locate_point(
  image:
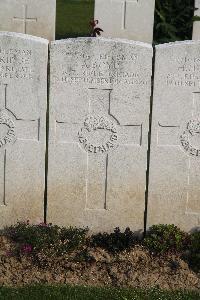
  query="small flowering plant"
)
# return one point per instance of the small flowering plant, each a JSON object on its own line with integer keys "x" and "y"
{"x": 30, "y": 239}
{"x": 26, "y": 249}
{"x": 95, "y": 30}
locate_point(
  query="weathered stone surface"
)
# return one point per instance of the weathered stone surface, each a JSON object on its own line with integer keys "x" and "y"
{"x": 99, "y": 116}
{"x": 130, "y": 19}
{"x": 23, "y": 96}
{"x": 33, "y": 17}
{"x": 174, "y": 191}
{"x": 196, "y": 24}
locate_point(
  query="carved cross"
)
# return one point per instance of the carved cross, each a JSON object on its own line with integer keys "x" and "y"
{"x": 24, "y": 19}
{"x": 98, "y": 135}
{"x": 175, "y": 136}
{"x": 125, "y": 6}
{"x": 12, "y": 129}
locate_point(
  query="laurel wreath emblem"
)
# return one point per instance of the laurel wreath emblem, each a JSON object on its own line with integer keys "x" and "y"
{"x": 10, "y": 135}
{"x": 94, "y": 123}
{"x": 192, "y": 129}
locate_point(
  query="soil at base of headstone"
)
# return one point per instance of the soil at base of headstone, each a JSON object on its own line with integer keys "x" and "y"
{"x": 136, "y": 268}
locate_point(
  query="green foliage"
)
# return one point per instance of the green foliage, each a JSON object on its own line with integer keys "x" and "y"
{"x": 72, "y": 238}
{"x": 114, "y": 242}
{"x": 194, "y": 256}
{"x": 161, "y": 239}
{"x": 61, "y": 292}
{"x": 42, "y": 241}
{"x": 173, "y": 20}
{"x": 30, "y": 239}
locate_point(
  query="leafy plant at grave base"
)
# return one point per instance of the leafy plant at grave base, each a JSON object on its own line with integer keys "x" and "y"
{"x": 96, "y": 31}
{"x": 161, "y": 239}
{"x": 114, "y": 242}
{"x": 194, "y": 255}
{"x": 72, "y": 238}
{"x": 31, "y": 239}
{"x": 83, "y": 256}
{"x": 173, "y": 20}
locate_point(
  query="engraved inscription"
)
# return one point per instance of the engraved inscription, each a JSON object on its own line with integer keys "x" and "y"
{"x": 190, "y": 139}
{"x": 16, "y": 63}
{"x": 103, "y": 69}
{"x": 6, "y": 124}
{"x": 187, "y": 73}
{"x": 98, "y": 135}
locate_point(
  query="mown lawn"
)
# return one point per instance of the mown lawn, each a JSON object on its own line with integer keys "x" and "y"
{"x": 41, "y": 292}
{"x": 73, "y": 17}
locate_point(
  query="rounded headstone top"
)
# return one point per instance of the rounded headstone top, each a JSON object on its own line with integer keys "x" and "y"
{"x": 101, "y": 39}
{"x": 23, "y": 36}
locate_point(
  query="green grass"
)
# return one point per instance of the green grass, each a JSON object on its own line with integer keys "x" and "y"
{"x": 66, "y": 292}
{"x": 73, "y": 17}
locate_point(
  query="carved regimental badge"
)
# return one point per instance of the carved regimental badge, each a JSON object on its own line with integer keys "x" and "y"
{"x": 98, "y": 135}
{"x": 7, "y": 129}
{"x": 190, "y": 138}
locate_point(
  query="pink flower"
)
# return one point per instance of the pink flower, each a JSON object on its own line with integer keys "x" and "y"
{"x": 9, "y": 253}
{"x": 26, "y": 249}
{"x": 43, "y": 224}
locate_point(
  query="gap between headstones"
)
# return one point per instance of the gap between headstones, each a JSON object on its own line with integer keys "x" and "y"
{"x": 47, "y": 140}
{"x": 149, "y": 143}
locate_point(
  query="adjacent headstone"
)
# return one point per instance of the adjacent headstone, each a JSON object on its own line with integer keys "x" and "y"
{"x": 34, "y": 17}
{"x": 130, "y": 19}
{"x": 23, "y": 97}
{"x": 196, "y": 24}
{"x": 174, "y": 190}
{"x": 99, "y": 120}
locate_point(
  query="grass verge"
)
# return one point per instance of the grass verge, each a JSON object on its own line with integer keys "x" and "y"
{"x": 91, "y": 293}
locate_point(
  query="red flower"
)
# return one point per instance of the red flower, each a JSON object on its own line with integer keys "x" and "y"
{"x": 93, "y": 23}
{"x": 96, "y": 31}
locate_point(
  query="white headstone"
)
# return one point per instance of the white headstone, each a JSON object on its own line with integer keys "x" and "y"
{"x": 196, "y": 25}
{"x": 174, "y": 190}
{"x": 35, "y": 17}
{"x": 99, "y": 120}
{"x": 130, "y": 19}
{"x": 23, "y": 97}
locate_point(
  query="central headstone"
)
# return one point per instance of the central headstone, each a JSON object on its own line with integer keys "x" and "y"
{"x": 130, "y": 19}
{"x": 174, "y": 191}
{"x": 99, "y": 112}
{"x": 33, "y": 17}
{"x": 23, "y": 97}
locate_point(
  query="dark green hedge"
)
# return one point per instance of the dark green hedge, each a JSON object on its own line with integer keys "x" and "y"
{"x": 173, "y": 20}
